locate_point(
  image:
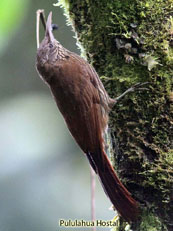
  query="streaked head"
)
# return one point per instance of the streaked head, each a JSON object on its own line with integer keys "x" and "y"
{"x": 48, "y": 44}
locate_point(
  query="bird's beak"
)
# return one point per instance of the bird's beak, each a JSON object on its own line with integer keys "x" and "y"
{"x": 49, "y": 33}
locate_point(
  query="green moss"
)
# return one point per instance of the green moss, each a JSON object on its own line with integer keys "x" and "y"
{"x": 151, "y": 222}
{"x": 128, "y": 42}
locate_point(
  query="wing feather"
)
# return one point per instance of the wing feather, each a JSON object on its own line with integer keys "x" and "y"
{"x": 81, "y": 100}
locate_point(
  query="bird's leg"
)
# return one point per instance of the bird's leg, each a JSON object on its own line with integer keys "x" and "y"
{"x": 136, "y": 87}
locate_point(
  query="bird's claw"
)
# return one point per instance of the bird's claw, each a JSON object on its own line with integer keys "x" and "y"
{"x": 138, "y": 87}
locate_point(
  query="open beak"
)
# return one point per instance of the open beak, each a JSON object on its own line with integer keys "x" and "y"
{"x": 49, "y": 33}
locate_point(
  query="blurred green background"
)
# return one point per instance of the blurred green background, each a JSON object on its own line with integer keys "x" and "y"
{"x": 44, "y": 176}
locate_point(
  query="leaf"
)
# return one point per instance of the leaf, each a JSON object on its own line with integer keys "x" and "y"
{"x": 151, "y": 62}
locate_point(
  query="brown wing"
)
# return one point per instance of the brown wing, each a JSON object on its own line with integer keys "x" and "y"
{"x": 77, "y": 95}
{"x": 95, "y": 80}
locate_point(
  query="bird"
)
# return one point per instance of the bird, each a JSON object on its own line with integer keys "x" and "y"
{"x": 85, "y": 106}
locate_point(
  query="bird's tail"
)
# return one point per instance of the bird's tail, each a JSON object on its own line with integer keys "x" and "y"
{"x": 126, "y": 206}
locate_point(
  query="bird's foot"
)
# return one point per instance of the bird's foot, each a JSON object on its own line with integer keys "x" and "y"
{"x": 136, "y": 87}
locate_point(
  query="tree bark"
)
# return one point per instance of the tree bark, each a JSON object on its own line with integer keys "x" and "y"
{"x": 127, "y": 42}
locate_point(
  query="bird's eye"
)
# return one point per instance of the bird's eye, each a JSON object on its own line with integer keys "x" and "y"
{"x": 50, "y": 45}
{"x": 54, "y": 27}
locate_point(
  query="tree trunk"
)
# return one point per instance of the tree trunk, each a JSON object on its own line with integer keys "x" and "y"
{"x": 131, "y": 41}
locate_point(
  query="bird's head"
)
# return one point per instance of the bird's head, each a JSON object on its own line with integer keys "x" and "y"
{"x": 47, "y": 47}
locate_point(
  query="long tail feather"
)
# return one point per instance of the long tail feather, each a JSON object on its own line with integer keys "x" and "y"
{"x": 117, "y": 193}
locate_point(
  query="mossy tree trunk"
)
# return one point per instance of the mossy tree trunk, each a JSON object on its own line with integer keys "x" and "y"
{"x": 130, "y": 41}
